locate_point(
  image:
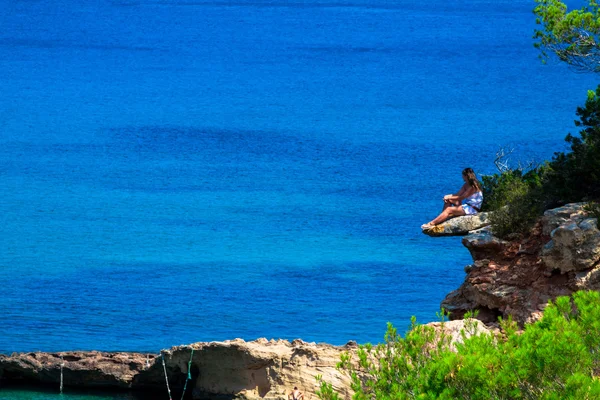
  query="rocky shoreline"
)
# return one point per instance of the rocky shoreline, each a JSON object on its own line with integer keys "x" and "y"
{"x": 507, "y": 278}
{"x": 261, "y": 369}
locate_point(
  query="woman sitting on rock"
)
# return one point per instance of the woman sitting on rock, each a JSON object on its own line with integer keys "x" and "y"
{"x": 469, "y": 195}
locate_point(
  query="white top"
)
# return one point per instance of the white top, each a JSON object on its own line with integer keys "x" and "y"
{"x": 475, "y": 200}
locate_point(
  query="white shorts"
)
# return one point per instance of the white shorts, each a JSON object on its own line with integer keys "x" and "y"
{"x": 468, "y": 209}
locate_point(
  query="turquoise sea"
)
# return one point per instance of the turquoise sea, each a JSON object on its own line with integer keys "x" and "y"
{"x": 23, "y": 393}
{"x": 182, "y": 171}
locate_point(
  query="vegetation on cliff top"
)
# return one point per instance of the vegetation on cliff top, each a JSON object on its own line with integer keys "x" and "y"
{"x": 519, "y": 196}
{"x": 572, "y": 36}
{"x": 557, "y": 357}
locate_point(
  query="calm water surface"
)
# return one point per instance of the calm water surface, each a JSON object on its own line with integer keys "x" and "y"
{"x": 174, "y": 172}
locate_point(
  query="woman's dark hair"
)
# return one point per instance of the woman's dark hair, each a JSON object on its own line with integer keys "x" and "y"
{"x": 471, "y": 178}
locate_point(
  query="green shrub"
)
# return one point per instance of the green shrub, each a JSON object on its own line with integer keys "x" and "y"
{"x": 518, "y": 198}
{"x": 515, "y": 199}
{"x": 575, "y": 175}
{"x": 593, "y": 209}
{"x": 555, "y": 358}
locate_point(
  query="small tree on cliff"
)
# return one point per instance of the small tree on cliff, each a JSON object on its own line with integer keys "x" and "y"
{"x": 573, "y": 36}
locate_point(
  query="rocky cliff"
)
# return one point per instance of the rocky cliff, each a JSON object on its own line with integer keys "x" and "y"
{"x": 518, "y": 278}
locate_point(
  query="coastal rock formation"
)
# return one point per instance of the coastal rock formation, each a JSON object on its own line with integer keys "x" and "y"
{"x": 89, "y": 369}
{"x": 460, "y": 330}
{"x": 575, "y": 245}
{"x": 518, "y": 278}
{"x": 257, "y": 370}
{"x": 260, "y": 369}
{"x": 459, "y": 226}
{"x": 556, "y": 217}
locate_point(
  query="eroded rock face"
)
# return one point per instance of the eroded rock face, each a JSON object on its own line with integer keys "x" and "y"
{"x": 258, "y": 370}
{"x": 518, "y": 278}
{"x": 575, "y": 246}
{"x": 459, "y": 226}
{"x": 556, "y": 217}
{"x": 82, "y": 369}
{"x": 460, "y": 330}
{"x": 482, "y": 244}
{"x": 261, "y": 369}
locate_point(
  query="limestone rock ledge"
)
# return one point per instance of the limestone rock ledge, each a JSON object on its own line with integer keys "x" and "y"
{"x": 257, "y": 370}
{"x": 261, "y": 369}
{"x": 79, "y": 368}
{"x": 460, "y": 226}
{"x": 519, "y": 277}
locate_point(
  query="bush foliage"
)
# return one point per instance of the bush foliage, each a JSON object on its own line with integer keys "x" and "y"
{"x": 575, "y": 175}
{"x": 593, "y": 209}
{"x": 516, "y": 200}
{"x": 557, "y": 357}
{"x": 518, "y": 197}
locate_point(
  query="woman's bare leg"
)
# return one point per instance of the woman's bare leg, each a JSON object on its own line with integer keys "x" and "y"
{"x": 451, "y": 211}
{"x": 446, "y": 205}
{"x": 450, "y": 204}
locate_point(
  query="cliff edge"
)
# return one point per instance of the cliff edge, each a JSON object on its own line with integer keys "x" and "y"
{"x": 517, "y": 278}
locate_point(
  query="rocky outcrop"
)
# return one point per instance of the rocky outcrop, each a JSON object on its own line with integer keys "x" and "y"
{"x": 89, "y": 369}
{"x": 459, "y": 226}
{"x": 575, "y": 245}
{"x": 556, "y": 217}
{"x": 258, "y": 370}
{"x": 518, "y": 278}
{"x": 460, "y": 330}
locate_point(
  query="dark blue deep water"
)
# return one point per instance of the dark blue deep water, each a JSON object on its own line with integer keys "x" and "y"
{"x": 181, "y": 171}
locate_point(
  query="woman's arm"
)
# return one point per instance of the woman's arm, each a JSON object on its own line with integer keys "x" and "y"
{"x": 465, "y": 191}
{"x": 454, "y": 196}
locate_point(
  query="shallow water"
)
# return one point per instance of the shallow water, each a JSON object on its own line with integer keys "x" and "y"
{"x": 23, "y": 393}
